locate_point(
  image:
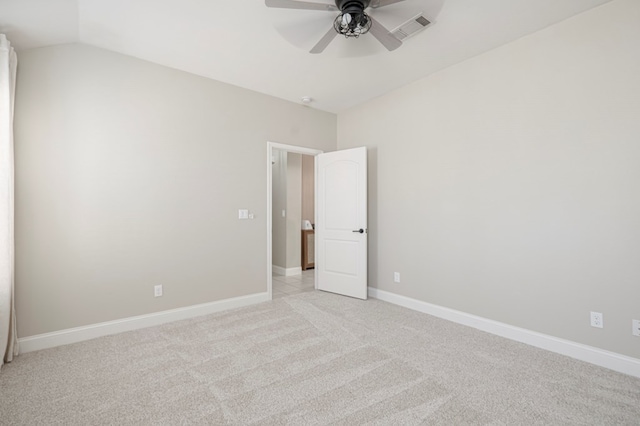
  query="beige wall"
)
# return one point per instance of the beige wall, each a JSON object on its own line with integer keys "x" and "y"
{"x": 278, "y": 205}
{"x": 286, "y": 196}
{"x": 308, "y": 188}
{"x": 508, "y": 186}
{"x": 294, "y": 209}
{"x": 128, "y": 175}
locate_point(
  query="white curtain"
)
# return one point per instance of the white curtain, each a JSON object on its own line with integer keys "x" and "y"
{"x": 8, "y": 335}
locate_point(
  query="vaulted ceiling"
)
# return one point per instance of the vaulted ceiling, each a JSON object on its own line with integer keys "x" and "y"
{"x": 244, "y": 43}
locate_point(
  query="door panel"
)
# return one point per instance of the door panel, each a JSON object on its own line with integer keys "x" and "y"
{"x": 341, "y": 257}
{"x": 341, "y": 205}
{"x": 341, "y": 213}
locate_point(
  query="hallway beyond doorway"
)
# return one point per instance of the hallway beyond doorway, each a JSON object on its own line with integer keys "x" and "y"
{"x": 293, "y": 284}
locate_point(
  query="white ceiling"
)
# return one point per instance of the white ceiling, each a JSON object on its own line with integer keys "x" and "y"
{"x": 242, "y": 42}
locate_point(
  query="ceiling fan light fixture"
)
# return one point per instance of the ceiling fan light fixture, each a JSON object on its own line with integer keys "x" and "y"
{"x": 353, "y": 21}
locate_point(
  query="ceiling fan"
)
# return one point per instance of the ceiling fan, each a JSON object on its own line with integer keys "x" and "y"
{"x": 352, "y": 21}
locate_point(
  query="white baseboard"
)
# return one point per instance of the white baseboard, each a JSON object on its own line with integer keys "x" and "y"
{"x": 79, "y": 334}
{"x": 287, "y": 272}
{"x": 611, "y": 360}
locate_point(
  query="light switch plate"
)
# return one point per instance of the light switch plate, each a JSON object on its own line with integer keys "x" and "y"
{"x": 243, "y": 214}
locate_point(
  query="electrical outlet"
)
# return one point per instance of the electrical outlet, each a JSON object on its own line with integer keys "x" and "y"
{"x": 597, "y": 320}
{"x": 157, "y": 290}
{"x": 636, "y": 327}
{"x": 396, "y": 277}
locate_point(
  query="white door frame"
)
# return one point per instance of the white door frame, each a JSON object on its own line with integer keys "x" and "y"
{"x": 288, "y": 148}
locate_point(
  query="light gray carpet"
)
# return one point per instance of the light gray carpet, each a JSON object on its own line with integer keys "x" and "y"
{"x": 311, "y": 358}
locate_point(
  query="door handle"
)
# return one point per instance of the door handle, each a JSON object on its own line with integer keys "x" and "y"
{"x": 360, "y": 231}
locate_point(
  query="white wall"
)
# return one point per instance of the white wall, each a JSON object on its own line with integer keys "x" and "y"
{"x": 508, "y": 186}
{"x": 128, "y": 175}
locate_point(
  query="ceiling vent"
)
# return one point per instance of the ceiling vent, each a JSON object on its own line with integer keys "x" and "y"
{"x": 411, "y": 27}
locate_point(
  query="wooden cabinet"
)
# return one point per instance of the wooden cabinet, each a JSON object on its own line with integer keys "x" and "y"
{"x": 308, "y": 249}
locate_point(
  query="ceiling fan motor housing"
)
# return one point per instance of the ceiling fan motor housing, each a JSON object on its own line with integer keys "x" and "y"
{"x": 361, "y": 4}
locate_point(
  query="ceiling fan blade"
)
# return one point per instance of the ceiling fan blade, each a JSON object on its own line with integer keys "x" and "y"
{"x": 383, "y": 35}
{"x": 293, "y": 4}
{"x": 381, "y": 3}
{"x": 324, "y": 41}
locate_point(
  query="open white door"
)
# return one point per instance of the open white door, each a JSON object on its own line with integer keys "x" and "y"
{"x": 341, "y": 222}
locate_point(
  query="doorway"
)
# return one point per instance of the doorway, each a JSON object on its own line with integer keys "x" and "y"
{"x": 284, "y": 279}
